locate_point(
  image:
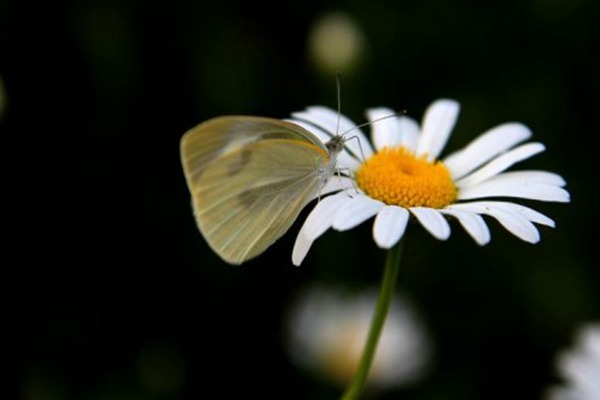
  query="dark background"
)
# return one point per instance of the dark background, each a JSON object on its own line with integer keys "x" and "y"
{"x": 108, "y": 291}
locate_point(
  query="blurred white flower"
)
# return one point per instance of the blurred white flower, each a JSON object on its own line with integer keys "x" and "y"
{"x": 579, "y": 366}
{"x": 327, "y": 330}
{"x": 335, "y": 43}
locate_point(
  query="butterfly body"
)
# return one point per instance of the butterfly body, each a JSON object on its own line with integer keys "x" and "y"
{"x": 250, "y": 177}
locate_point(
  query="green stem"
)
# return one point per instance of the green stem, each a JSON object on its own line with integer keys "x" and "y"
{"x": 386, "y": 293}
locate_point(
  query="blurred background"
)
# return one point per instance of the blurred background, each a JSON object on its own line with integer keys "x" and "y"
{"x": 107, "y": 289}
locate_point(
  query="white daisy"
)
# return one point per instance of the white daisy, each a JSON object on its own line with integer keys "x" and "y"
{"x": 327, "y": 329}
{"x": 402, "y": 175}
{"x": 580, "y": 367}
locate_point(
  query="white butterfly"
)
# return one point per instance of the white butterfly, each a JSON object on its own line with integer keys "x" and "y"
{"x": 250, "y": 177}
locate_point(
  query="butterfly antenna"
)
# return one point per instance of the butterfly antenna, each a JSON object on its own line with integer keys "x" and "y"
{"x": 396, "y": 114}
{"x": 338, "y": 87}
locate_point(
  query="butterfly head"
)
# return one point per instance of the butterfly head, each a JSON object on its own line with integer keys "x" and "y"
{"x": 335, "y": 145}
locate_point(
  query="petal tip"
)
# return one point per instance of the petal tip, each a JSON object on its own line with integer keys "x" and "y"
{"x": 297, "y": 259}
{"x": 484, "y": 242}
{"x": 446, "y": 102}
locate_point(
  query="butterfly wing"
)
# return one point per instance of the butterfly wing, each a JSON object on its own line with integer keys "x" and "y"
{"x": 209, "y": 140}
{"x": 250, "y": 177}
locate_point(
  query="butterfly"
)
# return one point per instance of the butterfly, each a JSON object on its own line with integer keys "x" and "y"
{"x": 250, "y": 177}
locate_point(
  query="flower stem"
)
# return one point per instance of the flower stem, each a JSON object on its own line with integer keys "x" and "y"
{"x": 388, "y": 285}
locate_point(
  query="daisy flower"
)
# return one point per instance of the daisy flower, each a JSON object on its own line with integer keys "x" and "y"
{"x": 580, "y": 367}
{"x": 400, "y": 174}
{"x": 327, "y": 328}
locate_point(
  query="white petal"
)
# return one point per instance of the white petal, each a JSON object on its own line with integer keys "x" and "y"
{"x": 514, "y": 188}
{"x": 518, "y": 226}
{"x": 301, "y": 248}
{"x": 337, "y": 183}
{"x": 385, "y": 127}
{"x": 487, "y": 146}
{"x": 356, "y": 211}
{"x": 433, "y": 221}
{"x": 501, "y": 163}
{"x": 530, "y": 214}
{"x": 328, "y": 119}
{"x": 512, "y": 220}
{"x": 318, "y": 221}
{"x": 345, "y": 158}
{"x": 438, "y": 122}
{"x": 389, "y": 226}
{"x": 472, "y": 223}
{"x": 322, "y": 216}
{"x": 409, "y": 133}
{"x": 545, "y": 177}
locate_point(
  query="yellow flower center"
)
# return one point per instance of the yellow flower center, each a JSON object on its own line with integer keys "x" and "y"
{"x": 397, "y": 177}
